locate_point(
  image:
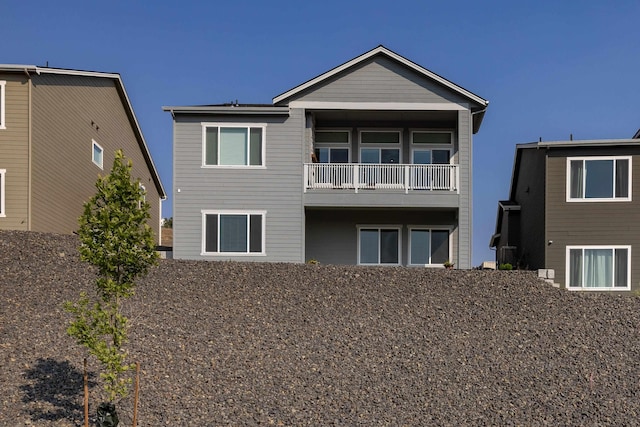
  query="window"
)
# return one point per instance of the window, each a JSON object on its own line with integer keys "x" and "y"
{"x": 594, "y": 179}
{"x": 3, "y": 123}
{"x": 431, "y": 147}
{"x": 233, "y": 145}
{"x": 3, "y": 172}
{"x": 332, "y": 155}
{"x": 332, "y": 146}
{"x": 143, "y": 190}
{"x": 380, "y": 146}
{"x": 379, "y": 245}
{"x": 599, "y": 267}
{"x": 428, "y": 246}
{"x": 232, "y": 233}
{"x": 96, "y": 153}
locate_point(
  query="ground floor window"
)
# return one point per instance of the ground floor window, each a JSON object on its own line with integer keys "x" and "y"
{"x": 233, "y": 233}
{"x": 379, "y": 245}
{"x": 428, "y": 246}
{"x": 599, "y": 267}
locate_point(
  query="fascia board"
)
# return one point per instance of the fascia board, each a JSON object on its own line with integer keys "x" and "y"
{"x": 227, "y": 110}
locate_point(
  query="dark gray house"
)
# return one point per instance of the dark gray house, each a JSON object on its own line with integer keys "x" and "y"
{"x": 368, "y": 163}
{"x": 574, "y": 208}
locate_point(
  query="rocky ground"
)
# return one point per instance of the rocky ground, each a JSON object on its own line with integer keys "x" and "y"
{"x": 281, "y": 344}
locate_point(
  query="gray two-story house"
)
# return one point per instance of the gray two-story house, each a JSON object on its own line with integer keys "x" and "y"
{"x": 574, "y": 208}
{"x": 369, "y": 163}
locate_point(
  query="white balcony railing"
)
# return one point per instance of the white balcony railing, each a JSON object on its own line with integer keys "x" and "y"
{"x": 357, "y": 176}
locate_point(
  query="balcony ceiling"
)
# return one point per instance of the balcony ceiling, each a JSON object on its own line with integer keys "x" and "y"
{"x": 327, "y": 118}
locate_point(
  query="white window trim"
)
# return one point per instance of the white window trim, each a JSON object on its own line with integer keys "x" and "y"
{"x": 95, "y": 144}
{"x": 380, "y": 146}
{"x": 206, "y": 125}
{"x": 584, "y": 288}
{"x": 589, "y": 200}
{"x": 430, "y": 228}
{"x": 3, "y": 123}
{"x": 430, "y": 147}
{"x": 330, "y": 145}
{"x": 203, "y": 248}
{"x": 3, "y": 174}
{"x": 381, "y": 227}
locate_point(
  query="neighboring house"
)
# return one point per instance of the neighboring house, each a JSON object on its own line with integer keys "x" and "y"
{"x": 60, "y": 129}
{"x": 368, "y": 163}
{"x": 574, "y": 207}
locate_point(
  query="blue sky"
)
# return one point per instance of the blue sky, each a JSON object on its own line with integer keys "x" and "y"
{"x": 548, "y": 68}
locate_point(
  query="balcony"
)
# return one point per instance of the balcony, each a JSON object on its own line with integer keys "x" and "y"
{"x": 402, "y": 178}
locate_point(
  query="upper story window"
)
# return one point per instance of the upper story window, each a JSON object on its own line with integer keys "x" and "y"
{"x": 332, "y": 146}
{"x": 233, "y": 144}
{"x": 380, "y": 146}
{"x": 3, "y": 172}
{"x": 97, "y": 154}
{"x": 3, "y": 123}
{"x": 596, "y": 179}
{"x": 431, "y": 147}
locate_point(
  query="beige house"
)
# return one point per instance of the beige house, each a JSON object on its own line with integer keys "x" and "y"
{"x": 59, "y": 130}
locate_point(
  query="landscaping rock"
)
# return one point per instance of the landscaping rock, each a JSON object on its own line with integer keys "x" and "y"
{"x": 224, "y": 343}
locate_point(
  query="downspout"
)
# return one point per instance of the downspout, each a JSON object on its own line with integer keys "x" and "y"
{"x": 29, "y": 144}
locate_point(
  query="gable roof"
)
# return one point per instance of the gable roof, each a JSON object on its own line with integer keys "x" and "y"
{"x": 480, "y": 103}
{"x": 27, "y": 69}
{"x": 381, "y": 50}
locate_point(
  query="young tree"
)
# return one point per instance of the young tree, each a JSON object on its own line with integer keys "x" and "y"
{"x": 116, "y": 239}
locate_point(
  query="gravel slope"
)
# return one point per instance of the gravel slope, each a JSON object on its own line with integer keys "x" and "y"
{"x": 225, "y": 343}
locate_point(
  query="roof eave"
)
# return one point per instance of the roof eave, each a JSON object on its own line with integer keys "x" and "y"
{"x": 141, "y": 141}
{"x": 277, "y": 111}
{"x": 579, "y": 143}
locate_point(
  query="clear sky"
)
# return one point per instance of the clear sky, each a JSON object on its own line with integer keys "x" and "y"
{"x": 548, "y": 68}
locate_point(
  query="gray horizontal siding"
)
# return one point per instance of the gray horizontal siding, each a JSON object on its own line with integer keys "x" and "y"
{"x": 276, "y": 189}
{"x": 530, "y": 195}
{"x": 465, "y": 155}
{"x": 331, "y": 235}
{"x": 590, "y": 223}
{"x": 381, "y": 198}
{"x": 379, "y": 80}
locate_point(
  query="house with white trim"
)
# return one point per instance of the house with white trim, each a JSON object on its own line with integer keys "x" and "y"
{"x": 59, "y": 130}
{"x": 369, "y": 163}
{"x": 573, "y": 213}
